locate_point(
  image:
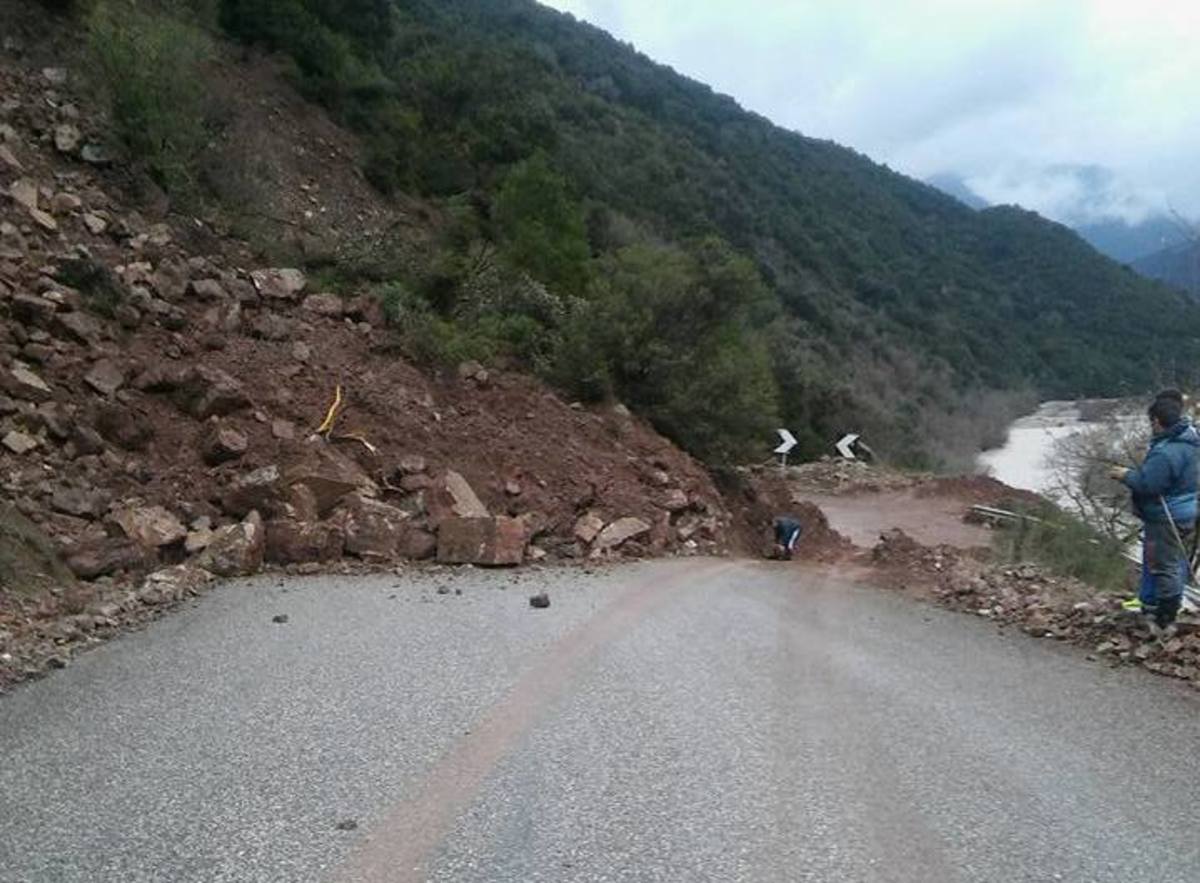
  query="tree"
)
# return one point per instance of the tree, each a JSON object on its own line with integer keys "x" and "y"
{"x": 674, "y": 332}
{"x": 1078, "y": 464}
{"x": 540, "y": 226}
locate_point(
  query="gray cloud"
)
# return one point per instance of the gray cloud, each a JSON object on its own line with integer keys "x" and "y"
{"x": 1014, "y": 96}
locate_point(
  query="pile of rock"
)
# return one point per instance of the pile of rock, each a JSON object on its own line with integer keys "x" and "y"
{"x": 1047, "y": 606}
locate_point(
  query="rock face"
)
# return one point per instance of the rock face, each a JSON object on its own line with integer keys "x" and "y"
{"x": 150, "y": 526}
{"x": 492, "y": 542}
{"x": 298, "y": 542}
{"x": 236, "y": 550}
{"x": 620, "y": 531}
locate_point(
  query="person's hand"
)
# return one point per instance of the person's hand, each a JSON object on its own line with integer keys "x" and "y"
{"x": 1118, "y": 473}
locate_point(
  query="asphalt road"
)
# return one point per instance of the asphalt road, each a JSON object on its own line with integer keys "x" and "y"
{"x": 681, "y": 721}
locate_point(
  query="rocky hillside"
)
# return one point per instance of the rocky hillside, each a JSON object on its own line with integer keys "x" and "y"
{"x": 171, "y": 404}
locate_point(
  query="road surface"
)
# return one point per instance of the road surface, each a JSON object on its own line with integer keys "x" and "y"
{"x": 693, "y": 720}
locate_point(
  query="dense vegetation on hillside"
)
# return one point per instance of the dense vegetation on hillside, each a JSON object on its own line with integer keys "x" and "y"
{"x": 628, "y": 232}
{"x": 1178, "y": 265}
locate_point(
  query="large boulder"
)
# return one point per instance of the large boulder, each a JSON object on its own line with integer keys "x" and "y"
{"x": 21, "y": 383}
{"x": 491, "y": 542}
{"x": 330, "y": 474}
{"x": 261, "y": 490}
{"x": 588, "y": 527}
{"x": 237, "y": 549}
{"x": 620, "y": 531}
{"x": 324, "y": 305}
{"x": 29, "y": 560}
{"x": 220, "y": 444}
{"x": 453, "y": 497}
{"x": 173, "y": 584}
{"x": 105, "y": 377}
{"x": 30, "y": 309}
{"x": 20, "y": 442}
{"x": 80, "y": 327}
{"x": 204, "y": 391}
{"x": 373, "y": 530}
{"x": 417, "y": 544}
{"x": 81, "y": 502}
{"x": 102, "y": 556}
{"x": 279, "y": 283}
{"x": 298, "y": 542}
{"x": 123, "y": 427}
{"x": 151, "y": 527}
{"x": 675, "y": 500}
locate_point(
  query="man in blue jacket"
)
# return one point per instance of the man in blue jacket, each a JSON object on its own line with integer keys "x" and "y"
{"x": 1164, "y": 498}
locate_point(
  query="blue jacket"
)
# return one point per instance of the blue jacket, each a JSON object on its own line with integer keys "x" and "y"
{"x": 1167, "y": 474}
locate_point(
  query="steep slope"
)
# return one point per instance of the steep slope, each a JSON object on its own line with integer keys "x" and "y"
{"x": 161, "y": 388}
{"x": 891, "y": 290}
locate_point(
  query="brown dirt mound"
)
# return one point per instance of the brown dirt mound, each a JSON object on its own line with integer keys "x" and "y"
{"x": 977, "y": 490}
{"x": 146, "y": 360}
{"x": 756, "y": 498}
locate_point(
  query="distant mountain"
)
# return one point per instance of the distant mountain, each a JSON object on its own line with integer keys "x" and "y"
{"x": 1177, "y": 265}
{"x": 1128, "y": 243}
{"x": 1114, "y": 237}
{"x": 953, "y": 185}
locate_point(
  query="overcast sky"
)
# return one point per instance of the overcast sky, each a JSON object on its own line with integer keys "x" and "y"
{"x": 1070, "y": 107}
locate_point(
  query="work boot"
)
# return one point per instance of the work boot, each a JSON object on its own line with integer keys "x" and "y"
{"x": 1167, "y": 610}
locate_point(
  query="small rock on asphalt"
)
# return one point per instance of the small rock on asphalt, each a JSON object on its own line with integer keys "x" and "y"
{"x": 539, "y": 601}
{"x": 280, "y": 618}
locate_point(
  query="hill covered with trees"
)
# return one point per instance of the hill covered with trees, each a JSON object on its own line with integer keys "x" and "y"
{"x": 627, "y": 232}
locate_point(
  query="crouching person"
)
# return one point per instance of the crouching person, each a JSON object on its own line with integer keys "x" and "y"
{"x": 787, "y": 534}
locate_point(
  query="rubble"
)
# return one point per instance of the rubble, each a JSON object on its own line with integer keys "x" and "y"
{"x": 620, "y": 531}
{"x": 150, "y": 526}
{"x": 148, "y": 360}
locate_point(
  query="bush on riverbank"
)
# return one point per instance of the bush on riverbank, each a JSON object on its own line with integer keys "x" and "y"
{"x": 1067, "y": 546}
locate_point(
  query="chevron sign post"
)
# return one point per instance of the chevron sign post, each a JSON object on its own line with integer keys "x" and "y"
{"x": 845, "y": 447}
{"x": 787, "y": 442}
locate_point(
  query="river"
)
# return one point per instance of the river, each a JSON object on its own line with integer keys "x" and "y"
{"x": 1022, "y": 461}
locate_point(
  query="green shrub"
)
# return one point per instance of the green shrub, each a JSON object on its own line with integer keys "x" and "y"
{"x": 540, "y": 226}
{"x": 1067, "y": 546}
{"x": 150, "y": 69}
{"x": 674, "y": 333}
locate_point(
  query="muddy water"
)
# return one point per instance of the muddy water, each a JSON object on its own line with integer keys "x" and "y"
{"x": 1022, "y": 461}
